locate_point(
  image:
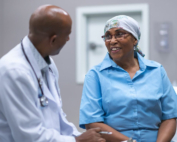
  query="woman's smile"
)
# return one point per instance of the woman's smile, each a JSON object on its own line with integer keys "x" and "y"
{"x": 115, "y": 49}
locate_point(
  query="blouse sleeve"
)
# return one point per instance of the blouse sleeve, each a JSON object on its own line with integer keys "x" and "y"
{"x": 169, "y": 98}
{"x": 91, "y": 103}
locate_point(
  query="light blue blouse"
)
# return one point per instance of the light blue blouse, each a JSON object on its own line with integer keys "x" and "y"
{"x": 134, "y": 107}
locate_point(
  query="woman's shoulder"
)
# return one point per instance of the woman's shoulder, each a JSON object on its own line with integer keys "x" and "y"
{"x": 154, "y": 65}
{"x": 151, "y": 63}
{"x": 94, "y": 70}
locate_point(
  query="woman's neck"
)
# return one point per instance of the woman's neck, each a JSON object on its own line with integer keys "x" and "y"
{"x": 128, "y": 63}
{"x": 131, "y": 66}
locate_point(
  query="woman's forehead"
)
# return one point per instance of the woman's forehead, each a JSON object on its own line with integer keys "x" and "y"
{"x": 116, "y": 29}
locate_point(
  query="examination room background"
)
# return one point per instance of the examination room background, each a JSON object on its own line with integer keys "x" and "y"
{"x": 14, "y": 18}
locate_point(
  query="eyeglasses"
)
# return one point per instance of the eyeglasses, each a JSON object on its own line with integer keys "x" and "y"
{"x": 117, "y": 36}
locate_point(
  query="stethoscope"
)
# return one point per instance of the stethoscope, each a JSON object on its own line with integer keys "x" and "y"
{"x": 43, "y": 100}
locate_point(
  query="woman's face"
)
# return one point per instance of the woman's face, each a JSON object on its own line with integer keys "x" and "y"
{"x": 120, "y": 44}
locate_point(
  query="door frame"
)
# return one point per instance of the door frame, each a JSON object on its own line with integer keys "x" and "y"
{"x": 81, "y": 31}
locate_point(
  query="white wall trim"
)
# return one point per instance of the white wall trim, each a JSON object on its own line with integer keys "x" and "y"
{"x": 81, "y": 26}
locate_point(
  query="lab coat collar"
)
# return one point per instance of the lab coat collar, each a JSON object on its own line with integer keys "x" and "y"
{"x": 27, "y": 48}
{"x": 42, "y": 63}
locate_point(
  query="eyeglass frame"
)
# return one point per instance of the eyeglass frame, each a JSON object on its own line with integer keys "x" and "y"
{"x": 122, "y": 36}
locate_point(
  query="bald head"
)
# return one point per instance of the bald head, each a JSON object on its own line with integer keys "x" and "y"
{"x": 49, "y": 29}
{"x": 48, "y": 20}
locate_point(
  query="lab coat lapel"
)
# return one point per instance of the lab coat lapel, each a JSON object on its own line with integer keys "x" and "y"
{"x": 58, "y": 90}
{"x": 29, "y": 55}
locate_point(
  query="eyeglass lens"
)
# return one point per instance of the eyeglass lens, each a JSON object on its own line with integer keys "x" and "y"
{"x": 118, "y": 35}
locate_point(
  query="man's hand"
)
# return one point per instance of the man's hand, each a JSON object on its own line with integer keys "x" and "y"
{"x": 92, "y": 135}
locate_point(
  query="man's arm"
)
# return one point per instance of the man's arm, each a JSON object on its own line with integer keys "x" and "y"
{"x": 19, "y": 98}
{"x": 167, "y": 130}
{"x": 18, "y": 103}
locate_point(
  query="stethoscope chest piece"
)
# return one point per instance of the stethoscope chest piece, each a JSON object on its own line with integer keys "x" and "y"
{"x": 44, "y": 101}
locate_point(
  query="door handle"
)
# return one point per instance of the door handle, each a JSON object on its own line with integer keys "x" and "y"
{"x": 93, "y": 46}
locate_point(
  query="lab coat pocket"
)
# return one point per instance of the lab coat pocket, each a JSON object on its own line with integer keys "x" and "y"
{"x": 50, "y": 114}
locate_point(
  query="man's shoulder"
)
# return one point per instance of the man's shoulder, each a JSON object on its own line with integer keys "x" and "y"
{"x": 13, "y": 60}
{"x": 14, "y": 52}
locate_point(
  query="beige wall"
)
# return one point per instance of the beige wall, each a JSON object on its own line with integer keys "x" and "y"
{"x": 14, "y": 16}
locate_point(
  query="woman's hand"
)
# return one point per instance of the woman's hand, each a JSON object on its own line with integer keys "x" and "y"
{"x": 114, "y": 137}
{"x": 92, "y": 135}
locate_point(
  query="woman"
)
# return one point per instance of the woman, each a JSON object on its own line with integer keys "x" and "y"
{"x": 126, "y": 94}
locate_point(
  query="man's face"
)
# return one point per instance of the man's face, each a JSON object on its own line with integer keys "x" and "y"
{"x": 60, "y": 40}
{"x": 62, "y": 37}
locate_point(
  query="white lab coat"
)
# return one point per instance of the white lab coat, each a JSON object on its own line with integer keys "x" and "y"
{"x": 22, "y": 119}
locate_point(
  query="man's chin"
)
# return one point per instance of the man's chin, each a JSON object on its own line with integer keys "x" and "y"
{"x": 56, "y": 53}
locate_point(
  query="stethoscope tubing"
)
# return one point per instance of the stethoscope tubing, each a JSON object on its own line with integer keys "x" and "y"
{"x": 43, "y": 99}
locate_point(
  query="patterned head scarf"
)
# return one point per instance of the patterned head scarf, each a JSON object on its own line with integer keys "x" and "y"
{"x": 128, "y": 24}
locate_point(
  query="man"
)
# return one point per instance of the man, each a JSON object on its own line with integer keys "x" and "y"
{"x": 30, "y": 104}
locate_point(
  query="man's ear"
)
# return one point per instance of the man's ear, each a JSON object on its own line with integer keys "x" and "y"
{"x": 52, "y": 39}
